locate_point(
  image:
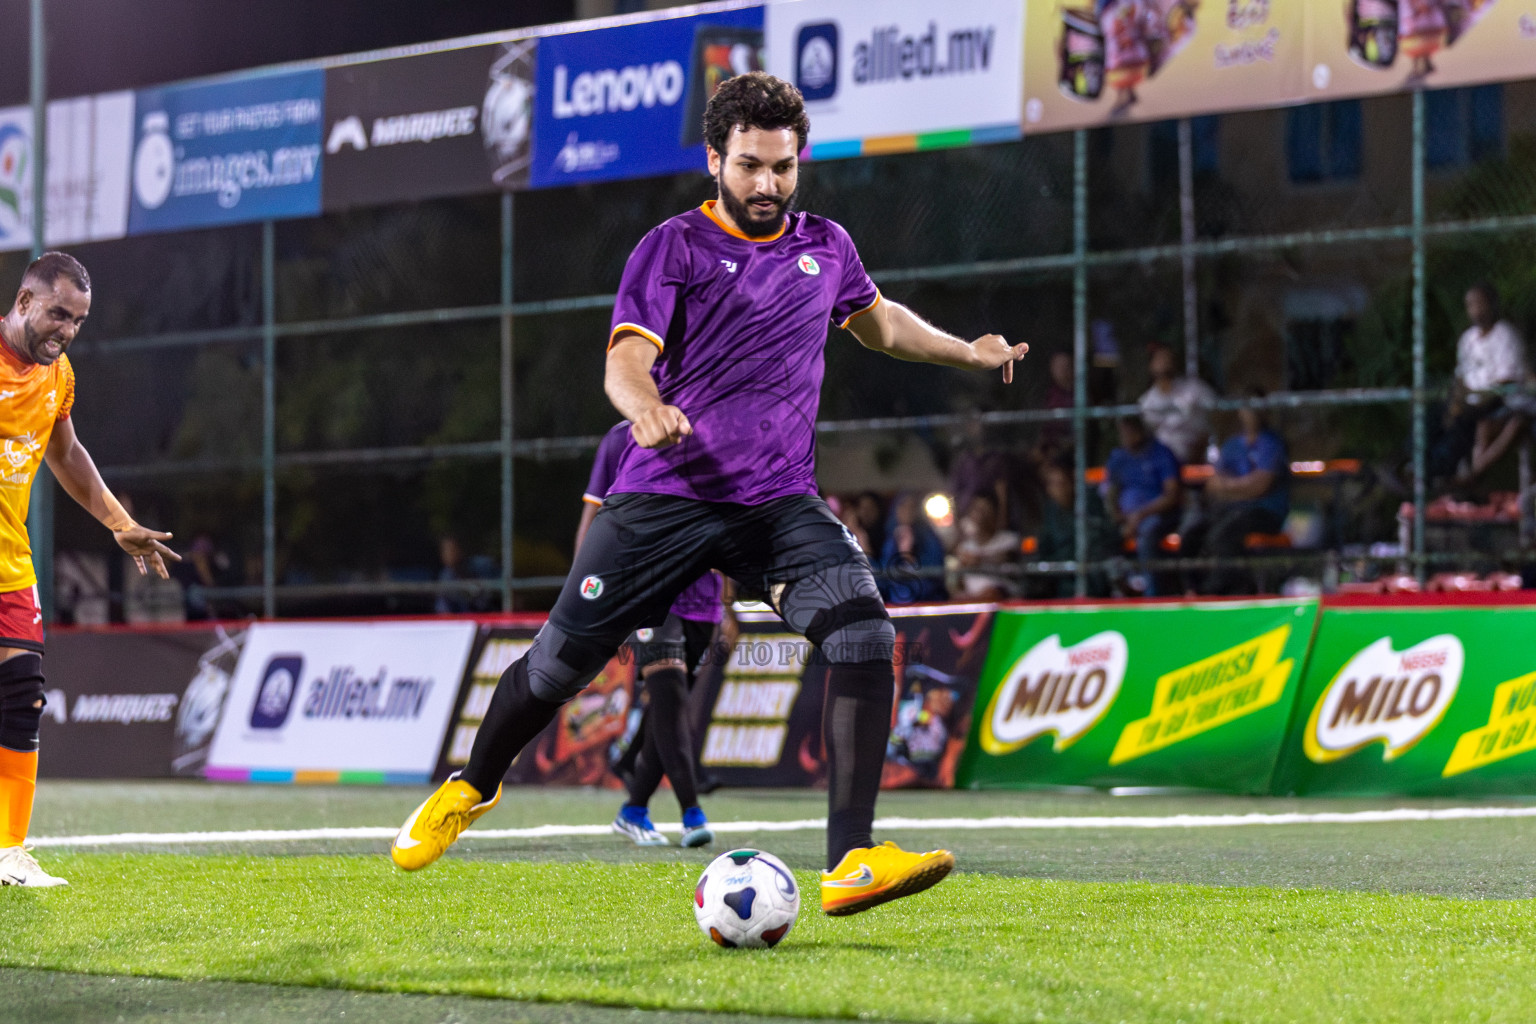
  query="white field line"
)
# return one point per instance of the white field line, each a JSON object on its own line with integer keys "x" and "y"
{"x": 1175, "y": 821}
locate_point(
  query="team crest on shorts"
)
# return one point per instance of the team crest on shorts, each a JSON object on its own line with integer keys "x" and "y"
{"x": 592, "y": 588}
{"x": 808, "y": 263}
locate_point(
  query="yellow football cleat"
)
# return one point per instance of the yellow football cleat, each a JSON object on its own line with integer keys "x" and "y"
{"x": 433, "y": 826}
{"x": 868, "y": 877}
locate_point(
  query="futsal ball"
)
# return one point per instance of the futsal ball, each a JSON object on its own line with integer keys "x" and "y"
{"x": 747, "y": 899}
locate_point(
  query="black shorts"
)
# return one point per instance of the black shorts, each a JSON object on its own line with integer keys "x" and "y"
{"x": 677, "y": 639}
{"x": 642, "y": 550}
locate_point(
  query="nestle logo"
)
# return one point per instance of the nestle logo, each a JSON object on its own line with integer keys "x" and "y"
{"x": 1422, "y": 660}
{"x": 279, "y": 685}
{"x": 1089, "y": 656}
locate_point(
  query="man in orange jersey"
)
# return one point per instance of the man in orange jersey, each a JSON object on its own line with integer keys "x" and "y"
{"x": 37, "y": 389}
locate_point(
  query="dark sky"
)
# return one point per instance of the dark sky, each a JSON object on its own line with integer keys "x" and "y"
{"x": 97, "y": 45}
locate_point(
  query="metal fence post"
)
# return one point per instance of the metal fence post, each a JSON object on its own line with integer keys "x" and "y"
{"x": 507, "y": 436}
{"x": 1420, "y": 437}
{"x": 268, "y": 420}
{"x": 40, "y": 508}
{"x": 1187, "y": 241}
{"x": 1080, "y": 356}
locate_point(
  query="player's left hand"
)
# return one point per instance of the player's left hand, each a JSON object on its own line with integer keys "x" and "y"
{"x": 146, "y": 548}
{"x": 993, "y": 350}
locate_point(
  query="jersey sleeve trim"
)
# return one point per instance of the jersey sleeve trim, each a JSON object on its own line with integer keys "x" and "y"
{"x": 858, "y": 313}
{"x": 648, "y": 335}
{"x": 591, "y": 499}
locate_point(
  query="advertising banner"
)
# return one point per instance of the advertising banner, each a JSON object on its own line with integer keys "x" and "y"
{"x": 765, "y": 702}
{"x": 1098, "y": 63}
{"x": 574, "y": 749}
{"x": 89, "y": 141}
{"x": 128, "y": 704}
{"x": 347, "y": 702}
{"x": 227, "y": 152}
{"x": 902, "y": 74}
{"x": 1138, "y": 695}
{"x": 1416, "y": 700}
{"x": 1362, "y": 47}
{"x": 411, "y": 128}
{"x": 628, "y": 101}
{"x": 15, "y": 179}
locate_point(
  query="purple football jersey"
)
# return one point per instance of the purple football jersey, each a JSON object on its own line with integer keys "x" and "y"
{"x": 741, "y": 325}
{"x": 701, "y": 601}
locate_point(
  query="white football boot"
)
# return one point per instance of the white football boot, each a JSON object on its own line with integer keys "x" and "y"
{"x": 19, "y": 867}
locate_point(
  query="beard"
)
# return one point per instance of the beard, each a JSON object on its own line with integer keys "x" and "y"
{"x": 751, "y": 223}
{"x": 36, "y": 343}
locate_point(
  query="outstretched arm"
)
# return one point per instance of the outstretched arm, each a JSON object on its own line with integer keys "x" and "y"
{"x": 78, "y": 475}
{"x": 895, "y": 330}
{"x": 627, "y": 380}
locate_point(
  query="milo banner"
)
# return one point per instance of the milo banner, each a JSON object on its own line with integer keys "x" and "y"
{"x": 1138, "y": 695}
{"x": 1417, "y": 700}
{"x": 1100, "y": 62}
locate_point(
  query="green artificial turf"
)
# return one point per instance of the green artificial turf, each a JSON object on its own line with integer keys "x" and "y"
{"x": 978, "y": 947}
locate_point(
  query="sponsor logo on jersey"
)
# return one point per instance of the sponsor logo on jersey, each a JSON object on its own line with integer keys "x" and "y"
{"x": 1055, "y": 689}
{"x": 807, "y": 263}
{"x": 1386, "y": 696}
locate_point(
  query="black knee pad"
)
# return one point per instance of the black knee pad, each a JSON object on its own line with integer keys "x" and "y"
{"x": 856, "y": 630}
{"x": 560, "y": 665}
{"x": 21, "y": 702}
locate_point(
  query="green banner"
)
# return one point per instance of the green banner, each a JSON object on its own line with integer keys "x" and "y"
{"x": 1416, "y": 701}
{"x": 1138, "y": 695}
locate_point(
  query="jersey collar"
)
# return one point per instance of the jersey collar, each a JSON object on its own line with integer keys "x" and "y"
{"x": 709, "y": 211}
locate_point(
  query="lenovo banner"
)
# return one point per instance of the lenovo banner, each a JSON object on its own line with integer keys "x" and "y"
{"x": 628, "y": 101}
{"x": 128, "y": 704}
{"x": 227, "y": 152}
{"x": 420, "y": 127}
{"x": 347, "y": 702}
{"x": 1418, "y": 700}
{"x": 901, "y": 74}
{"x": 1138, "y": 695}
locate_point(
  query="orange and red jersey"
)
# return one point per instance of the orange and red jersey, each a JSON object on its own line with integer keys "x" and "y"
{"x": 33, "y": 398}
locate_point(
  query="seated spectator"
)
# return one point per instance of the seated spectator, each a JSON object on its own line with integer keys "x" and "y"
{"x": 1145, "y": 495}
{"x": 848, "y": 514}
{"x": 1056, "y": 435}
{"x": 1250, "y": 493}
{"x": 1480, "y": 423}
{"x": 869, "y": 510}
{"x": 1177, "y": 409}
{"x": 1057, "y": 537}
{"x": 912, "y": 559}
{"x": 982, "y": 544}
{"x": 977, "y": 469}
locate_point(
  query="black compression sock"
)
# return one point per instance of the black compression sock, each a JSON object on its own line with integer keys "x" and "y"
{"x": 855, "y": 725}
{"x": 514, "y": 718}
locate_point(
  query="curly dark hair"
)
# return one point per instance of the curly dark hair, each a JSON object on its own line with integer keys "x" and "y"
{"x": 754, "y": 100}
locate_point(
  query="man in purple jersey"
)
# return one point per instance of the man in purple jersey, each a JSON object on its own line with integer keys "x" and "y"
{"x": 716, "y": 360}
{"x": 665, "y": 660}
